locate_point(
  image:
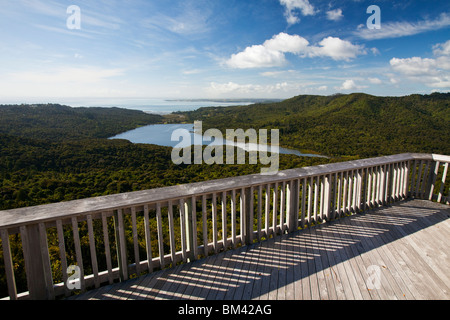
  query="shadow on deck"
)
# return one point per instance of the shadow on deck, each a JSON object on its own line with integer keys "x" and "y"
{"x": 397, "y": 252}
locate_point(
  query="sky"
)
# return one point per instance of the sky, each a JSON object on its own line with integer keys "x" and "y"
{"x": 57, "y": 50}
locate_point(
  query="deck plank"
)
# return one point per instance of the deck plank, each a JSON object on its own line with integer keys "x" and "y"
{"x": 406, "y": 242}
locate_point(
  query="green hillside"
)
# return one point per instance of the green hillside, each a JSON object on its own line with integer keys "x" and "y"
{"x": 57, "y": 122}
{"x": 356, "y": 125}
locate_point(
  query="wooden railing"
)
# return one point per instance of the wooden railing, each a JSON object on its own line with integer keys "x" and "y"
{"x": 186, "y": 222}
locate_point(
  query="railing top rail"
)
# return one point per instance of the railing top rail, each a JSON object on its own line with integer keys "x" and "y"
{"x": 440, "y": 157}
{"x": 63, "y": 210}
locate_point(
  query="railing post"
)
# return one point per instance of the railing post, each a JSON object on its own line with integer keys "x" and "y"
{"x": 37, "y": 275}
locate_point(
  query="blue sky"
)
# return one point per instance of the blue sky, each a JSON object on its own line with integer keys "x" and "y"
{"x": 220, "y": 49}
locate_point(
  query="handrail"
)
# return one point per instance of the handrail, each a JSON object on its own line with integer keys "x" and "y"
{"x": 170, "y": 225}
{"x": 17, "y": 217}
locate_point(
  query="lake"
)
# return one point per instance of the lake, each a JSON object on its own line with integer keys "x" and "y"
{"x": 160, "y": 134}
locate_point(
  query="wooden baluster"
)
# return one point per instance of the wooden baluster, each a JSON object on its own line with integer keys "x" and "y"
{"x": 310, "y": 199}
{"x": 137, "y": 258}
{"x": 369, "y": 187}
{"x": 358, "y": 189}
{"x": 267, "y": 212}
{"x": 424, "y": 181}
{"x": 214, "y": 222}
{"x": 388, "y": 182}
{"x": 288, "y": 205}
{"x": 233, "y": 218}
{"x": 398, "y": 180}
{"x": 259, "y": 213}
{"x": 413, "y": 179}
{"x": 93, "y": 251}
{"x": 394, "y": 182}
{"x": 355, "y": 193}
{"x": 107, "y": 248}
{"x": 249, "y": 211}
{"x": 302, "y": 222}
{"x": 364, "y": 190}
{"x": 275, "y": 206}
{"x": 433, "y": 176}
{"x": 294, "y": 195}
{"x": 419, "y": 178}
{"x": 344, "y": 198}
{"x": 406, "y": 185}
{"x": 79, "y": 257}
{"x": 326, "y": 196}
{"x": 224, "y": 221}
{"x": 183, "y": 230}
{"x": 322, "y": 198}
{"x": 401, "y": 180}
{"x": 444, "y": 176}
{"x": 282, "y": 206}
{"x": 162, "y": 261}
{"x": 384, "y": 183}
{"x": 172, "y": 234}
{"x": 62, "y": 255}
{"x": 193, "y": 228}
{"x": 334, "y": 196}
{"x": 205, "y": 227}
{"x": 148, "y": 241}
{"x": 121, "y": 245}
{"x": 9, "y": 269}
{"x": 339, "y": 194}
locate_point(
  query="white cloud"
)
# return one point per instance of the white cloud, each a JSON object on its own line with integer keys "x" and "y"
{"x": 433, "y": 72}
{"x": 401, "y": 29}
{"x": 350, "y": 85}
{"x": 393, "y": 80}
{"x": 375, "y": 51}
{"x": 187, "y": 18}
{"x": 291, "y": 5}
{"x": 269, "y": 54}
{"x": 442, "y": 49}
{"x": 283, "y": 73}
{"x": 87, "y": 81}
{"x": 335, "y": 15}
{"x": 281, "y": 89}
{"x": 375, "y": 81}
{"x": 233, "y": 88}
{"x": 272, "y": 52}
{"x": 415, "y": 66}
{"x": 191, "y": 71}
{"x": 67, "y": 75}
{"x": 284, "y": 42}
{"x": 337, "y": 49}
{"x": 255, "y": 57}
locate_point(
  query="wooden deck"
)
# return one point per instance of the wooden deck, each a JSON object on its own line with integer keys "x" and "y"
{"x": 398, "y": 252}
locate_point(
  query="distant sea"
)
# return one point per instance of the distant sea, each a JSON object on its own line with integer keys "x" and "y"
{"x": 159, "y": 106}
